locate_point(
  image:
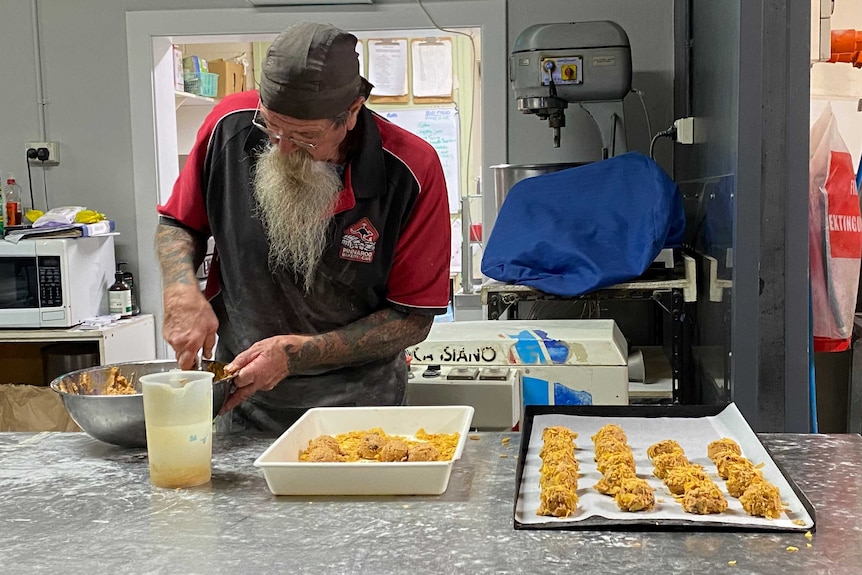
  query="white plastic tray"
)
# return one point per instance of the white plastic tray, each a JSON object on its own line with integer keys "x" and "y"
{"x": 286, "y": 475}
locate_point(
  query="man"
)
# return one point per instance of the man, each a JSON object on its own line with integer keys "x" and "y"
{"x": 331, "y": 229}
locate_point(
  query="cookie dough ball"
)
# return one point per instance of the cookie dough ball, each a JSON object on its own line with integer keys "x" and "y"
{"x": 557, "y": 501}
{"x": 666, "y": 461}
{"x": 740, "y": 476}
{"x": 324, "y": 441}
{"x": 552, "y": 459}
{"x": 565, "y": 474}
{"x": 624, "y": 458}
{"x": 609, "y": 445}
{"x": 727, "y": 459}
{"x": 666, "y": 446}
{"x": 557, "y": 447}
{"x": 613, "y": 478}
{"x": 394, "y": 450}
{"x": 610, "y": 430}
{"x": 679, "y": 479}
{"x": 723, "y": 445}
{"x": 371, "y": 446}
{"x": 635, "y": 495}
{"x": 423, "y": 452}
{"x": 558, "y": 432}
{"x": 322, "y": 454}
{"x": 762, "y": 499}
{"x": 703, "y": 499}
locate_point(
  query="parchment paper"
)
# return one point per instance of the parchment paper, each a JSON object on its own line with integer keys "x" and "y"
{"x": 693, "y": 434}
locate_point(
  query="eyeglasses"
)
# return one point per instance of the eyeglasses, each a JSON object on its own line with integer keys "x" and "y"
{"x": 311, "y": 140}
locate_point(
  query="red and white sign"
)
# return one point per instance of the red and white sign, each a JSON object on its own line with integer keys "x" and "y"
{"x": 359, "y": 241}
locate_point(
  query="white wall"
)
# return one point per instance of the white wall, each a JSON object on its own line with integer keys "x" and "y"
{"x": 86, "y": 84}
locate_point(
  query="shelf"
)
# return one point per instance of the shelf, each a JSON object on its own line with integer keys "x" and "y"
{"x": 684, "y": 278}
{"x": 188, "y": 99}
{"x": 131, "y": 339}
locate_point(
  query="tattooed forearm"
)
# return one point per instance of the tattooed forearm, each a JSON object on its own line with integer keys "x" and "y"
{"x": 376, "y": 336}
{"x": 180, "y": 253}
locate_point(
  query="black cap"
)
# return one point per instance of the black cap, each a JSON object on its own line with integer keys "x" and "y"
{"x": 311, "y": 72}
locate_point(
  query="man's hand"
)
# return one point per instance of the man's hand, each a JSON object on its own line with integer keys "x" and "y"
{"x": 380, "y": 335}
{"x": 190, "y": 324}
{"x": 261, "y": 367}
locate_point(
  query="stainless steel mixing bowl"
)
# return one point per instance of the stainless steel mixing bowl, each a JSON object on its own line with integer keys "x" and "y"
{"x": 119, "y": 419}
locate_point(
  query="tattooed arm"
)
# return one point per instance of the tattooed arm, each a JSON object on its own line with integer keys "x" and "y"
{"x": 180, "y": 253}
{"x": 379, "y": 335}
{"x": 190, "y": 323}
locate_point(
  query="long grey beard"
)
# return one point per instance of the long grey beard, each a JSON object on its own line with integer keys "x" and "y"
{"x": 295, "y": 201}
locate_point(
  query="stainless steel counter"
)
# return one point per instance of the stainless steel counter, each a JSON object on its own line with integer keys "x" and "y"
{"x": 70, "y": 504}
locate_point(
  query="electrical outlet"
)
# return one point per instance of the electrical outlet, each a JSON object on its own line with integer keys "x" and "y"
{"x": 684, "y": 130}
{"x": 53, "y": 148}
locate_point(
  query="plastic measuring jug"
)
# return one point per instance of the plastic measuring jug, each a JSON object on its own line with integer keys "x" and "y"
{"x": 178, "y": 411}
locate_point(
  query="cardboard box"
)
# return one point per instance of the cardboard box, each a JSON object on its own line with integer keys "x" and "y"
{"x": 178, "y": 69}
{"x": 231, "y": 76}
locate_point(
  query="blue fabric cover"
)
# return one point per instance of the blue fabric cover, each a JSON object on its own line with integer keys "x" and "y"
{"x": 570, "y": 232}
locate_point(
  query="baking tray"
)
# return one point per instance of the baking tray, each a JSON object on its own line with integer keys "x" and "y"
{"x": 286, "y": 475}
{"x": 693, "y": 427}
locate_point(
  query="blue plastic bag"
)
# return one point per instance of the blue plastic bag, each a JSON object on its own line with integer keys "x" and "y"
{"x": 574, "y": 231}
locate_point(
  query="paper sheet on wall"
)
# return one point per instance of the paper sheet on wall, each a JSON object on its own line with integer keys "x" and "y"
{"x": 439, "y": 127}
{"x": 455, "y": 259}
{"x": 387, "y": 67}
{"x": 360, "y": 51}
{"x": 432, "y": 67}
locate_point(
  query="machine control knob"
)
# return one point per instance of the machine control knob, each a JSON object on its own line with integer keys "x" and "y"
{"x": 494, "y": 373}
{"x": 432, "y": 371}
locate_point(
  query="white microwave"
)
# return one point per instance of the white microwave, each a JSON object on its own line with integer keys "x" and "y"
{"x": 54, "y": 283}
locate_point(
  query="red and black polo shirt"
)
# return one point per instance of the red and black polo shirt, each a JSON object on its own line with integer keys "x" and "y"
{"x": 389, "y": 245}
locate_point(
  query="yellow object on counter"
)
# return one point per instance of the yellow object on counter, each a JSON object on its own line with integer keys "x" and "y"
{"x": 82, "y": 217}
{"x": 89, "y": 217}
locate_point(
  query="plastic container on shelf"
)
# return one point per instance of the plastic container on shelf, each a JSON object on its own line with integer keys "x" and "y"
{"x": 201, "y": 83}
{"x": 14, "y": 206}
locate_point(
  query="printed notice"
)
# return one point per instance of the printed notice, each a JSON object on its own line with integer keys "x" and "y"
{"x": 387, "y": 67}
{"x": 441, "y": 128}
{"x": 432, "y": 67}
{"x": 360, "y": 51}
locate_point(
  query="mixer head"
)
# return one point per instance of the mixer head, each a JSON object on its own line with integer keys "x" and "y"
{"x": 553, "y": 65}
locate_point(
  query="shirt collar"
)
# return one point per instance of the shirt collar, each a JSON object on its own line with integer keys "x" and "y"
{"x": 366, "y": 164}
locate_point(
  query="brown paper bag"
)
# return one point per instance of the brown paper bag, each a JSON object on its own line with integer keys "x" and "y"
{"x": 33, "y": 408}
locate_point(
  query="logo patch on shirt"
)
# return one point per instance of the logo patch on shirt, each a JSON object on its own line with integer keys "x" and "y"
{"x": 359, "y": 241}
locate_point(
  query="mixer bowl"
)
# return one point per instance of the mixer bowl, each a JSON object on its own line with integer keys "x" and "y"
{"x": 507, "y": 175}
{"x": 119, "y": 419}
